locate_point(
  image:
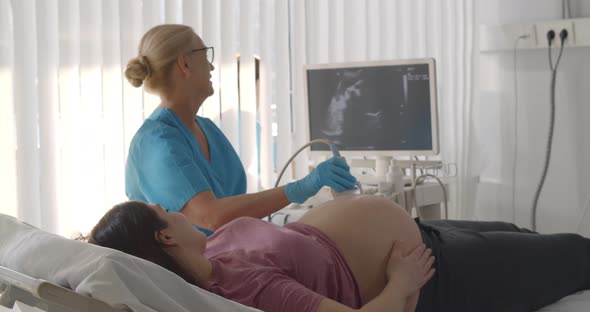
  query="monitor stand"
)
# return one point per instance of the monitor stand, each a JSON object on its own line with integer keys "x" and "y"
{"x": 415, "y": 165}
{"x": 382, "y": 165}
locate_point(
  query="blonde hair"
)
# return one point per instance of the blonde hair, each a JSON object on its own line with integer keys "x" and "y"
{"x": 158, "y": 49}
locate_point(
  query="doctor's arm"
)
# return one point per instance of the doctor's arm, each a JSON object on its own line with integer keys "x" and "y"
{"x": 205, "y": 210}
{"x": 210, "y": 212}
{"x": 167, "y": 174}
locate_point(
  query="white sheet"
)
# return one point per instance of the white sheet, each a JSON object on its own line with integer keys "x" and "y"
{"x": 108, "y": 275}
{"x": 578, "y": 302}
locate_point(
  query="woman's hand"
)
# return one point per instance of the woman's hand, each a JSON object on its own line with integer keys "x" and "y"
{"x": 409, "y": 273}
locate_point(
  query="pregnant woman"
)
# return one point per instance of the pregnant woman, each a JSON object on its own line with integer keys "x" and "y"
{"x": 357, "y": 253}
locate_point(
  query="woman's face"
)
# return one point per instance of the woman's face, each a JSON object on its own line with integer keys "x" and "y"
{"x": 180, "y": 229}
{"x": 200, "y": 67}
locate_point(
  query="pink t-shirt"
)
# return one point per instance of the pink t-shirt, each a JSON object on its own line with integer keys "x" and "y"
{"x": 272, "y": 268}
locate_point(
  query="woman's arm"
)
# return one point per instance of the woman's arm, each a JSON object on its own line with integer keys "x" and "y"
{"x": 405, "y": 274}
{"x": 207, "y": 211}
{"x": 389, "y": 300}
{"x": 272, "y": 290}
{"x": 412, "y": 302}
{"x": 280, "y": 292}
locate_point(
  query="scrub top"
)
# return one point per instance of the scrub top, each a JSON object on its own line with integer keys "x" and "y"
{"x": 166, "y": 165}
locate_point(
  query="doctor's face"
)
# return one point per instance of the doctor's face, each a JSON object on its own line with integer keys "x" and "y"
{"x": 200, "y": 59}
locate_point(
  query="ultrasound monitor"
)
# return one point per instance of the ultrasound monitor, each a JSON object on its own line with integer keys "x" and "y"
{"x": 385, "y": 108}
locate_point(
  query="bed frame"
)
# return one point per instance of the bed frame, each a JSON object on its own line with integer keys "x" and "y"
{"x": 16, "y": 287}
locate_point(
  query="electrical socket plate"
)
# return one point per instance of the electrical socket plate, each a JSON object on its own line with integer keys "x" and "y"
{"x": 529, "y": 39}
{"x": 557, "y": 26}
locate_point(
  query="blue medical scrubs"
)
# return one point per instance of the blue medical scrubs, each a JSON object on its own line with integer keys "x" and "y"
{"x": 166, "y": 165}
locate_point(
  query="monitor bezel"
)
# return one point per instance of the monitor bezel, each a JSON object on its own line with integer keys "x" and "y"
{"x": 433, "y": 106}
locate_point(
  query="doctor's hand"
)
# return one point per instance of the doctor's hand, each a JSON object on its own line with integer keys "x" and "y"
{"x": 409, "y": 273}
{"x": 333, "y": 172}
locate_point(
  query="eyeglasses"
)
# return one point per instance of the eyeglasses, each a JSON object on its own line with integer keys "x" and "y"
{"x": 210, "y": 53}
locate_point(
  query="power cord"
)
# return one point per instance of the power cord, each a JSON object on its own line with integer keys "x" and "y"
{"x": 566, "y": 11}
{"x": 332, "y": 148}
{"x": 583, "y": 215}
{"x": 289, "y": 162}
{"x": 515, "y": 140}
{"x": 444, "y": 189}
{"x": 295, "y": 155}
{"x": 550, "y": 36}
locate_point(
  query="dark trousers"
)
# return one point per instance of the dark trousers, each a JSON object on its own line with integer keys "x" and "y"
{"x": 498, "y": 267}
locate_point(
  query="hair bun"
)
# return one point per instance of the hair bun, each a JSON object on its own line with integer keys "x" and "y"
{"x": 138, "y": 69}
{"x": 144, "y": 61}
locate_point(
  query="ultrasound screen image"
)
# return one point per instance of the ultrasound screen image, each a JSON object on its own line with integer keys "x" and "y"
{"x": 380, "y": 108}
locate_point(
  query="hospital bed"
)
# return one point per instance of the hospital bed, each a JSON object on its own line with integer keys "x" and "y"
{"x": 57, "y": 274}
{"x": 51, "y": 273}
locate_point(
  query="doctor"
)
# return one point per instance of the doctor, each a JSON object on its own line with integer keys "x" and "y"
{"x": 184, "y": 162}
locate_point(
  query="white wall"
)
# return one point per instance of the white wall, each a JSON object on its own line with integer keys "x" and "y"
{"x": 568, "y": 182}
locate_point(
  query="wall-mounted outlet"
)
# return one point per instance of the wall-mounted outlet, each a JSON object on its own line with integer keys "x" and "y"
{"x": 527, "y": 34}
{"x": 557, "y": 26}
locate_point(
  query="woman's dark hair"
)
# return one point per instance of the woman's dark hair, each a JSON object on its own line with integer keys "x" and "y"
{"x": 130, "y": 228}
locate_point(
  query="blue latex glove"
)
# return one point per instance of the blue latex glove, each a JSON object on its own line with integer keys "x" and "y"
{"x": 333, "y": 172}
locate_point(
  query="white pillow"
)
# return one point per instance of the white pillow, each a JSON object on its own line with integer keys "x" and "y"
{"x": 106, "y": 274}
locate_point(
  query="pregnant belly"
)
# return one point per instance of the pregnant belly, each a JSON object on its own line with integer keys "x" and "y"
{"x": 364, "y": 229}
